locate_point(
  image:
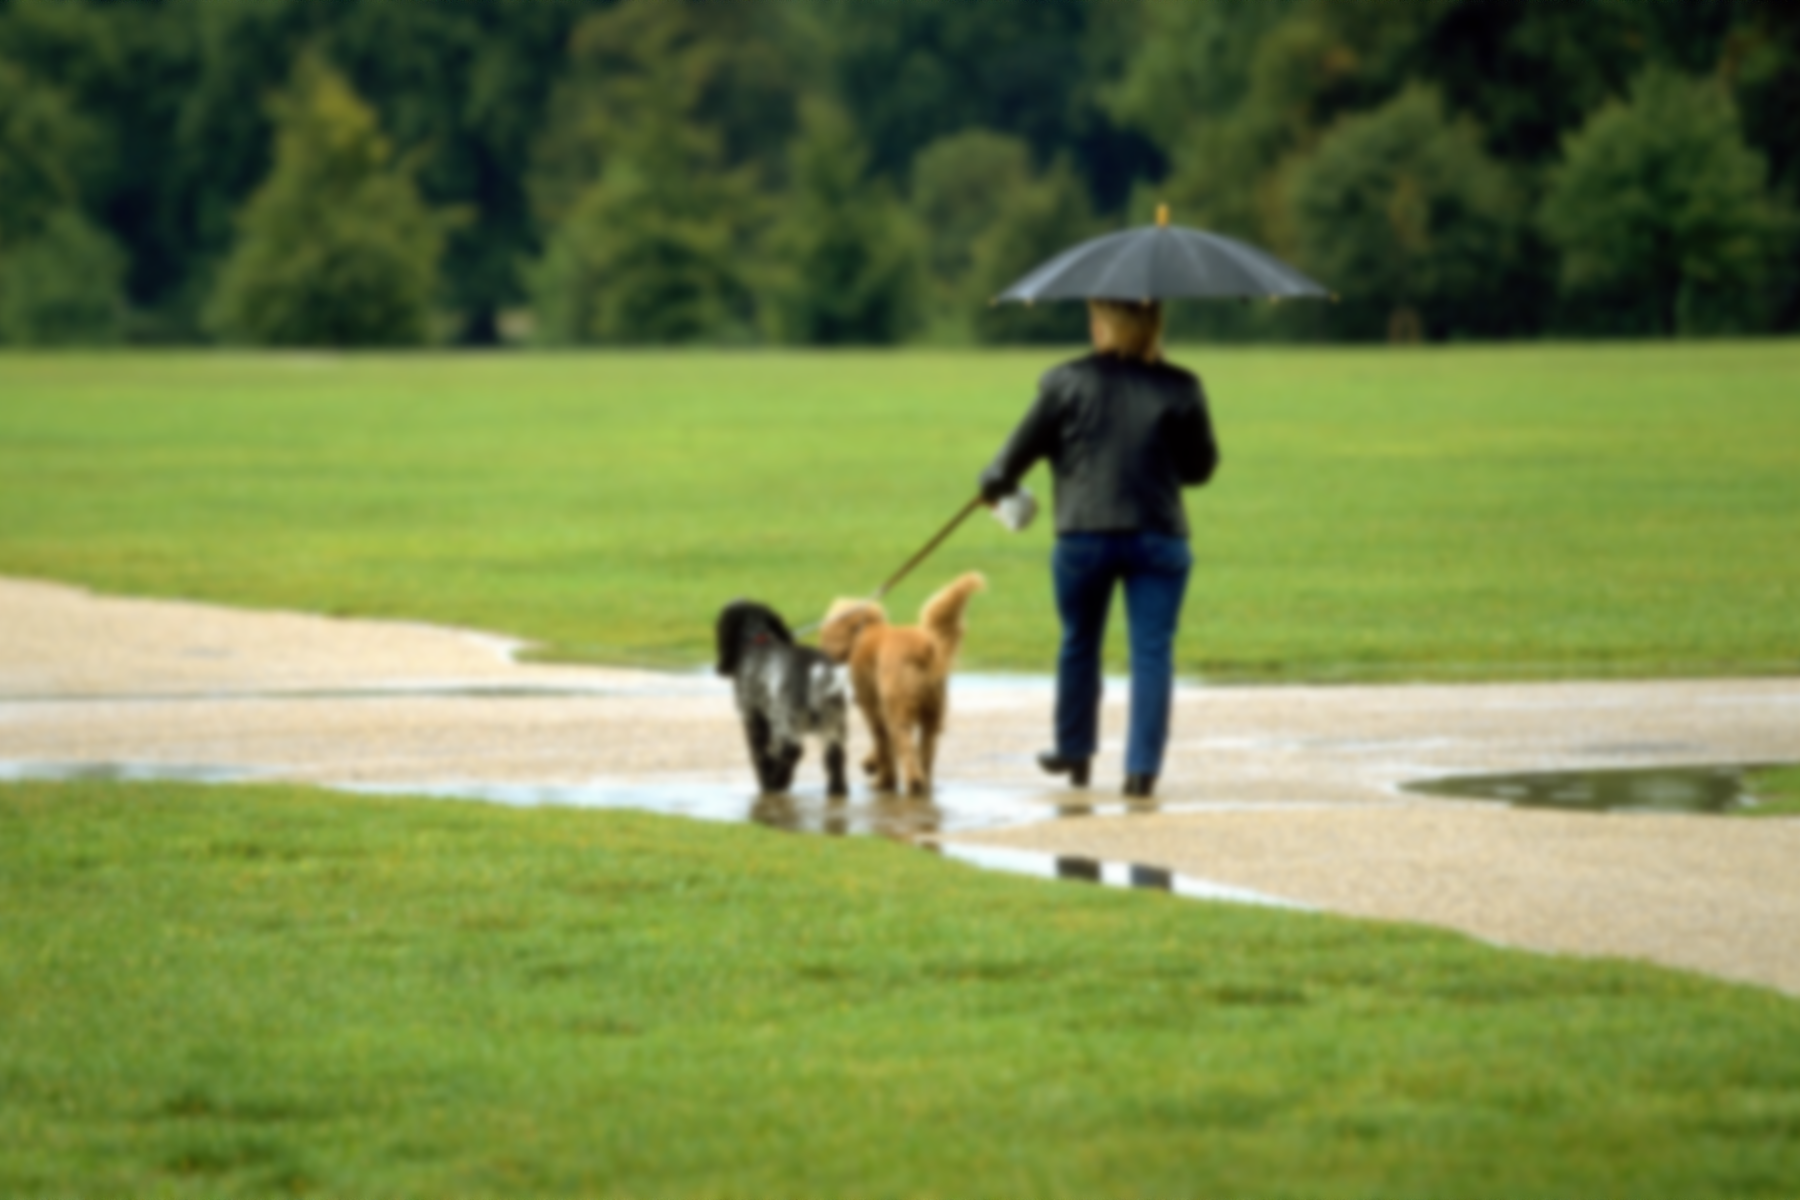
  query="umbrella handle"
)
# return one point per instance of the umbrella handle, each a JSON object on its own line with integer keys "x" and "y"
{"x": 933, "y": 544}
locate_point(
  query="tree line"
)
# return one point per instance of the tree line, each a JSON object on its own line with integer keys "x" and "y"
{"x": 827, "y": 172}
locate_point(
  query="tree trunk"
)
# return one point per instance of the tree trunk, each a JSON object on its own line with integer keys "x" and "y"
{"x": 480, "y": 328}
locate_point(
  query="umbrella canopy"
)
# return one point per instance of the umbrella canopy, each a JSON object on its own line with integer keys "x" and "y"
{"x": 1162, "y": 262}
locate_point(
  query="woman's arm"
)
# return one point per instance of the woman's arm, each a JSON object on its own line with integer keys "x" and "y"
{"x": 1035, "y": 438}
{"x": 1196, "y": 451}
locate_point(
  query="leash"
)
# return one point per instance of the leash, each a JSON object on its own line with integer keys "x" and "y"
{"x": 933, "y": 544}
{"x": 906, "y": 567}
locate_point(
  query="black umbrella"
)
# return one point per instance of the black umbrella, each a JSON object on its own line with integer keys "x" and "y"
{"x": 1162, "y": 262}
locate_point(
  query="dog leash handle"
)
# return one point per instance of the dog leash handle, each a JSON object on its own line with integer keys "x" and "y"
{"x": 933, "y": 544}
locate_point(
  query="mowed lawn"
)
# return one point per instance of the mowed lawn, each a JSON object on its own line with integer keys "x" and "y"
{"x": 244, "y": 991}
{"x": 249, "y": 991}
{"x": 1514, "y": 512}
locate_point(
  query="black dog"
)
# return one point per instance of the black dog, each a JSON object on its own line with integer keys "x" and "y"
{"x": 784, "y": 692}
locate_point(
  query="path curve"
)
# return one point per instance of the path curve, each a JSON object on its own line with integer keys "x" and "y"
{"x": 1287, "y": 791}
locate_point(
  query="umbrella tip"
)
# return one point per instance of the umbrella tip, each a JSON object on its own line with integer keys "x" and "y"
{"x": 1162, "y": 214}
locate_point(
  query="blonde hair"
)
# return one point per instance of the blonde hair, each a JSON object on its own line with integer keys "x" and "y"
{"x": 1128, "y": 328}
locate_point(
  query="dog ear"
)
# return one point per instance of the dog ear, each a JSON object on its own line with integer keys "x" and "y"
{"x": 777, "y": 627}
{"x": 731, "y": 636}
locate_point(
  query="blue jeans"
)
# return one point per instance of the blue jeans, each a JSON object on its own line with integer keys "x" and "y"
{"x": 1087, "y": 567}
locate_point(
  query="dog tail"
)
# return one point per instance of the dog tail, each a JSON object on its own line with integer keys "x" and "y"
{"x": 942, "y": 615}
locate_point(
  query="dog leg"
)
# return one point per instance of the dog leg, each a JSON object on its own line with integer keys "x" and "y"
{"x": 786, "y": 757}
{"x": 880, "y": 763}
{"x": 835, "y": 783}
{"x": 885, "y": 774}
{"x": 900, "y": 719}
{"x": 871, "y": 711}
{"x": 763, "y": 754}
{"x": 834, "y": 735}
{"x": 931, "y": 727}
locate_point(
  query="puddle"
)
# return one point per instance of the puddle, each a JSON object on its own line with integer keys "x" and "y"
{"x": 1700, "y": 789}
{"x": 1105, "y": 874}
{"x": 111, "y": 772}
{"x": 952, "y": 809}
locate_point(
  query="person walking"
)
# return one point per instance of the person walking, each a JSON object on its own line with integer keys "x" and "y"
{"x": 1124, "y": 432}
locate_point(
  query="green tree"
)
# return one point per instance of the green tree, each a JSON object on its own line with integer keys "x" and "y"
{"x": 1049, "y": 213}
{"x": 466, "y": 84}
{"x": 653, "y": 252}
{"x": 1402, "y": 212}
{"x": 1529, "y": 71}
{"x": 1237, "y": 95}
{"x": 959, "y": 186}
{"x": 336, "y": 248}
{"x": 62, "y": 287}
{"x": 988, "y": 217}
{"x": 1659, "y": 207}
{"x": 846, "y": 253}
{"x": 718, "y": 66}
{"x": 650, "y": 174}
{"x": 1240, "y": 96}
{"x": 48, "y": 153}
{"x": 181, "y": 86}
{"x": 1191, "y": 65}
{"x": 1763, "y": 66}
{"x": 61, "y": 277}
{"x": 912, "y": 71}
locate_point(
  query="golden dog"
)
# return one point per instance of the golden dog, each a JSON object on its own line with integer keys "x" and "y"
{"x": 900, "y": 675}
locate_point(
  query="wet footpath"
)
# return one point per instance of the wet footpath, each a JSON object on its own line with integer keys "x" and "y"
{"x": 1580, "y": 818}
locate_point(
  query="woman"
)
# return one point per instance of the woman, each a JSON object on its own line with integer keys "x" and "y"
{"x": 1124, "y": 432}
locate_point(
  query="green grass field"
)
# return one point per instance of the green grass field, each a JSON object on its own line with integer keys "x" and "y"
{"x": 252, "y": 991}
{"x": 1777, "y": 793}
{"x": 1534, "y": 511}
{"x": 241, "y": 991}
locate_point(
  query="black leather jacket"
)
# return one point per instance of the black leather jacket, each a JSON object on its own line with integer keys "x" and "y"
{"x": 1123, "y": 438}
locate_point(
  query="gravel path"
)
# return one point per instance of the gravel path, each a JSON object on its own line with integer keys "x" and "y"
{"x": 1291, "y": 792}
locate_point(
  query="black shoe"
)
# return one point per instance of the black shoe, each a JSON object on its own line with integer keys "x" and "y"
{"x": 1139, "y": 785}
{"x": 1075, "y": 768}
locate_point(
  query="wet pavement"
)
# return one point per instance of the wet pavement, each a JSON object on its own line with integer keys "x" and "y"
{"x": 1304, "y": 795}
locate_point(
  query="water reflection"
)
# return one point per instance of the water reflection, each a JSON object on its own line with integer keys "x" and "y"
{"x": 905, "y": 818}
{"x": 1702, "y": 789}
{"x": 1129, "y": 806}
{"x": 1153, "y": 878}
{"x": 1105, "y": 874}
{"x": 1086, "y": 870}
{"x": 125, "y": 772}
{"x": 956, "y": 808}
{"x": 951, "y": 809}
{"x": 1092, "y": 870}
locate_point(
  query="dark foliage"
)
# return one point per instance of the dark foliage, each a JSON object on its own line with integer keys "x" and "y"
{"x": 637, "y": 169}
{"x": 1661, "y": 213}
{"x": 849, "y": 251}
{"x": 336, "y": 248}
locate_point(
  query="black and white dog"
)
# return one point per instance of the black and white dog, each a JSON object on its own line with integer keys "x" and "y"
{"x": 784, "y": 693}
